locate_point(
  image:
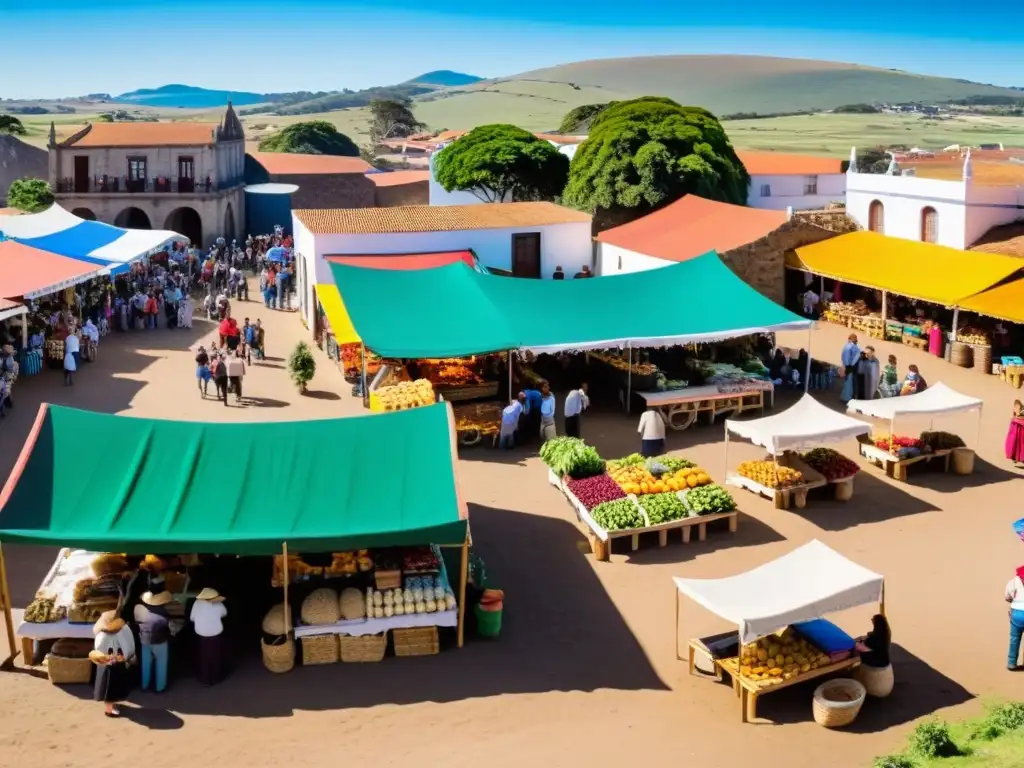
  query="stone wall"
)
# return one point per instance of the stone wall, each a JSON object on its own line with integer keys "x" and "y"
{"x": 19, "y": 160}
{"x": 414, "y": 193}
{"x": 330, "y": 190}
{"x": 833, "y": 218}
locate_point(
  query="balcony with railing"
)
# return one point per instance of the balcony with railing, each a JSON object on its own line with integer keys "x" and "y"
{"x": 119, "y": 185}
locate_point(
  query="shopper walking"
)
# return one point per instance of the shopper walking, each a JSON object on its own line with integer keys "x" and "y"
{"x": 236, "y": 370}
{"x": 153, "y": 621}
{"x": 70, "y": 366}
{"x": 203, "y": 374}
{"x": 220, "y": 377}
{"x": 576, "y": 402}
{"x": 1015, "y": 597}
{"x": 652, "y": 433}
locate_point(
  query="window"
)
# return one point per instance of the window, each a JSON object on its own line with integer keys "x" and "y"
{"x": 766, "y": 190}
{"x": 929, "y": 225}
{"x": 136, "y": 169}
{"x": 186, "y": 167}
{"x": 811, "y": 185}
{"x": 876, "y": 217}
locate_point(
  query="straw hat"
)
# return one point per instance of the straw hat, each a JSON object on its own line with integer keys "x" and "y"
{"x": 109, "y": 622}
{"x": 210, "y": 594}
{"x": 158, "y": 599}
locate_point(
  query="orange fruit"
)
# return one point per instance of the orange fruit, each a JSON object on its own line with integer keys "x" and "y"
{"x": 692, "y": 481}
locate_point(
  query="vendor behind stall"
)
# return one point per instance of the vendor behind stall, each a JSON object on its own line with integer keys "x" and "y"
{"x": 874, "y": 646}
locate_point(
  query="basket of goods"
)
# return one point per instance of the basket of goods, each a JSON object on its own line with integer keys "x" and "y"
{"x": 570, "y": 456}
{"x": 832, "y": 464}
{"x": 641, "y": 376}
{"x": 320, "y": 649}
{"x": 962, "y": 461}
{"x": 90, "y": 611}
{"x": 275, "y": 624}
{"x": 901, "y": 446}
{"x": 488, "y": 613}
{"x": 942, "y": 441}
{"x": 44, "y": 610}
{"x": 877, "y": 681}
{"x": 66, "y": 670}
{"x": 779, "y": 657}
{"x": 387, "y": 569}
{"x": 838, "y": 702}
{"x": 770, "y": 474}
{"x": 591, "y": 491}
{"x": 416, "y": 641}
{"x": 352, "y": 604}
{"x": 320, "y": 607}
{"x": 708, "y": 500}
{"x": 402, "y": 396}
{"x": 420, "y": 559}
{"x": 277, "y": 647}
{"x": 106, "y": 564}
{"x": 368, "y": 648}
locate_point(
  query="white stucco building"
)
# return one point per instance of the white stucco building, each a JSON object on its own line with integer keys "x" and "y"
{"x": 949, "y": 199}
{"x": 802, "y": 182}
{"x": 523, "y": 239}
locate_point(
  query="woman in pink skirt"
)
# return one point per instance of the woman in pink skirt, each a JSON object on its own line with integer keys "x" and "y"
{"x": 1015, "y": 436}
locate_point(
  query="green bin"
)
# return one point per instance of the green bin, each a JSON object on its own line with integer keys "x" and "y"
{"x": 488, "y": 623}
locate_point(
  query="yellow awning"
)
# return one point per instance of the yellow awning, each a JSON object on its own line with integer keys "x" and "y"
{"x": 1005, "y": 302}
{"x": 337, "y": 315}
{"x": 923, "y": 271}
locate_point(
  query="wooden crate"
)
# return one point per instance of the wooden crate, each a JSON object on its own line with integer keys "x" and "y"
{"x": 416, "y": 641}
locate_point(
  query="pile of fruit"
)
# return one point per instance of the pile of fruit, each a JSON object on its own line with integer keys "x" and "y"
{"x": 669, "y": 463}
{"x": 976, "y": 336}
{"x": 571, "y": 456}
{"x": 592, "y": 491}
{"x": 620, "y": 364}
{"x": 942, "y": 441}
{"x": 44, "y": 610}
{"x": 832, "y": 464}
{"x": 780, "y": 657}
{"x": 662, "y": 507}
{"x": 637, "y": 475}
{"x": 617, "y": 515}
{"x": 895, "y": 443}
{"x": 482, "y": 417}
{"x": 352, "y": 361}
{"x": 405, "y": 394}
{"x": 632, "y": 478}
{"x": 769, "y": 474}
{"x": 453, "y": 373}
{"x": 709, "y": 500}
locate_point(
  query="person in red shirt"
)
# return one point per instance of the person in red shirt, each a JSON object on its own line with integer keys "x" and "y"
{"x": 151, "y": 311}
{"x": 234, "y": 334}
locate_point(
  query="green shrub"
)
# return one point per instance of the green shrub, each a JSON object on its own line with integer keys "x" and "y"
{"x": 893, "y": 761}
{"x": 1007, "y": 717}
{"x": 932, "y": 739}
{"x": 986, "y": 730}
{"x": 301, "y": 365}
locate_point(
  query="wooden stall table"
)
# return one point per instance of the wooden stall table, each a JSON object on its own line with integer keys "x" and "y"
{"x": 679, "y": 408}
{"x": 896, "y": 466}
{"x": 750, "y": 690}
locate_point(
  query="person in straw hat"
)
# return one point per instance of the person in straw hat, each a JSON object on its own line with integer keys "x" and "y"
{"x": 153, "y": 621}
{"x": 207, "y": 617}
{"x": 113, "y": 652}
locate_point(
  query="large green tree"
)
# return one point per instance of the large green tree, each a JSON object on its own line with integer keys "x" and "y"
{"x": 645, "y": 153}
{"x": 316, "y": 137}
{"x": 501, "y": 162}
{"x": 578, "y": 119}
{"x": 392, "y": 119}
{"x": 12, "y": 125}
{"x": 30, "y": 195}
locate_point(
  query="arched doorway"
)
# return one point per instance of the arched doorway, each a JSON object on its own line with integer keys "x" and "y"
{"x": 84, "y": 213}
{"x": 876, "y": 217}
{"x": 132, "y": 218}
{"x": 185, "y": 221}
{"x": 229, "y": 223}
{"x": 929, "y": 225}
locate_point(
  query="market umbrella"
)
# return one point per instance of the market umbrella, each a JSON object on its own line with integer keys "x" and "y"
{"x": 277, "y": 253}
{"x": 1018, "y": 528}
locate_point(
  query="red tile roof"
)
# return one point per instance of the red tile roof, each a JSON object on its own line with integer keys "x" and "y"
{"x": 396, "y": 178}
{"x": 406, "y": 261}
{"x": 181, "y": 134}
{"x": 25, "y": 270}
{"x": 289, "y": 164}
{"x": 692, "y": 226}
{"x": 782, "y": 164}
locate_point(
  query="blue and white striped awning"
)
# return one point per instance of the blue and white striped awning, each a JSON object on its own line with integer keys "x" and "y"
{"x": 59, "y": 231}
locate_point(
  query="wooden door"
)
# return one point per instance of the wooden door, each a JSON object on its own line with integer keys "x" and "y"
{"x": 81, "y": 173}
{"x": 526, "y": 255}
{"x": 186, "y": 174}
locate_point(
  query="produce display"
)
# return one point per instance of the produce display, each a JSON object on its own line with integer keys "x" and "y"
{"x": 970, "y": 335}
{"x": 832, "y": 464}
{"x": 662, "y": 507}
{"x": 633, "y": 478}
{"x": 44, "y": 610}
{"x": 670, "y": 463}
{"x": 422, "y": 594}
{"x": 571, "y": 456}
{"x": 454, "y": 373}
{"x": 769, "y": 474}
{"x": 900, "y": 444}
{"x": 633, "y": 460}
{"x": 618, "y": 515}
{"x": 709, "y": 500}
{"x": 482, "y": 417}
{"x": 637, "y": 475}
{"x": 595, "y": 490}
{"x": 778, "y": 657}
{"x": 352, "y": 361}
{"x": 405, "y": 394}
{"x": 420, "y": 560}
{"x": 622, "y": 364}
{"x": 942, "y": 441}
{"x": 666, "y": 384}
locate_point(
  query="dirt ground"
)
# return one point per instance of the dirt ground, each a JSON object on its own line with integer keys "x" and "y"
{"x": 585, "y": 669}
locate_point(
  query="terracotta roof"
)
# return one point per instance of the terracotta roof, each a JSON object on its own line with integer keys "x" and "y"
{"x": 25, "y": 270}
{"x": 405, "y": 261}
{"x": 782, "y": 164}
{"x": 993, "y": 168}
{"x": 144, "y": 135}
{"x": 6, "y": 304}
{"x": 289, "y": 164}
{"x": 436, "y": 218}
{"x": 396, "y": 178}
{"x": 449, "y": 135}
{"x": 1006, "y": 239}
{"x": 692, "y": 226}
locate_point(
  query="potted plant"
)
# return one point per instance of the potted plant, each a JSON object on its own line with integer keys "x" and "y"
{"x": 301, "y": 365}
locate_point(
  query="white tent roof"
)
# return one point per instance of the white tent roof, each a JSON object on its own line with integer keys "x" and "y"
{"x": 804, "y": 425}
{"x": 26, "y": 226}
{"x": 808, "y": 583}
{"x": 938, "y": 398}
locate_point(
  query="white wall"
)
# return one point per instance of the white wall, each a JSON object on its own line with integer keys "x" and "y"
{"x": 989, "y": 207}
{"x": 440, "y": 196}
{"x": 615, "y": 260}
{"x": 787, "y": 191}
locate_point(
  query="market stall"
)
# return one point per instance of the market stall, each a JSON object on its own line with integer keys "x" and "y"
{"x": 787, "y": 475}
{"x": 895, "y": 453}
{"x": 327, "y": 500}
{"x": 780, "y": 605}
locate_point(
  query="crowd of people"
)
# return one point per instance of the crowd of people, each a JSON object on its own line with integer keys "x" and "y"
{"x": 865, "y": 379}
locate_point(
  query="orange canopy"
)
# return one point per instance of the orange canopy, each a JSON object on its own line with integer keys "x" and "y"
{"x": 30, "y": 272}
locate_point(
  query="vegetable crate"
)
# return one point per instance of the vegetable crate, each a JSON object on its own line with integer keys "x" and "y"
{"x": 417, "y": 641}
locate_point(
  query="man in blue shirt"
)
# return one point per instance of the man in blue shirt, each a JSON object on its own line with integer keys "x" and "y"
{"x": 850, "y": 358}
{"x": 531, "y": 415}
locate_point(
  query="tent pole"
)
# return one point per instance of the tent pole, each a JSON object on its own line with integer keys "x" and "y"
{"x": 510, "y": 375}
{"x": 463, "y": 576}
{"x": 676, "y": 590}
{"x": 885, "y": 310}
{"x": 24, "y": 331}
{"x": 285, "y": 578}
{"x": 807, "y": 368}
{"x": 725, "y": 471}
{"x": 881, "y": 601}
{"x": 5, "y": 603}
{"x": 629, "y": 376}
{"x": 362, "y": 355}
{"x": 892, "y": 430}
{"x": 956, "y": 322}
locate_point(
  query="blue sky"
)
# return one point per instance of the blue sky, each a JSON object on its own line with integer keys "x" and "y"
{"x": 72, "y": 47}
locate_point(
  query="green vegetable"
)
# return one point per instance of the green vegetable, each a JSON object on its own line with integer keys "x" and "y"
{"x": 709, "y": 500}
{"x": 618, "y": 515}
{"x": 662, "y": 507}
{"x": 633, "y": 460}
{"x": 571, "y": 456}
{"x": 673, "y": 464}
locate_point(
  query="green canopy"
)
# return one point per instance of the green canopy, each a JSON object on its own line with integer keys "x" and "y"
{"x": 453, "y": 311}
{"x": 122, "y": 484}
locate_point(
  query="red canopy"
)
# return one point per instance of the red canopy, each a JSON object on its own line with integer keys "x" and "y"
{"x": 31, "y": 272}
{"x": 405, "y": 261}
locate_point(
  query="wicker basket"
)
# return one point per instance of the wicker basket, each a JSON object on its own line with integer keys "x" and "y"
{"x": 320, "y": 649}
{"x": 837, "y": 702}
{"x": 365, "y": 648}
{"x": 419, "y": 641}
{"x": 844, "y": 490}
{"x": 64, "y": 671}
{"x": 877, "y": 681}
{"x": 279, "y": 658}
{"x": 962, "y": 461}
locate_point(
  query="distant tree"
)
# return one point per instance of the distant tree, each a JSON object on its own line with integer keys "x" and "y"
{"x": 578, "y": 119}
{"x": 392, "y": 119}
{"x": 12, "y": 125}
{"x": 857, "y": 109}
{"x": 105, "y": 118}
{"x": 316, "y": 137}
{"x": 30, "y": 195}
{"x": 496, "y": 162}
{"x": 645, "y": 153}
{"x": 871, "y": 160}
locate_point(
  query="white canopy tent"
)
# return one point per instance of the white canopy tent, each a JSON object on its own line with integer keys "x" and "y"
{"x": 803, "y": 425}
{"x": 937, "y": 399}
{"x": 811, "y": 581}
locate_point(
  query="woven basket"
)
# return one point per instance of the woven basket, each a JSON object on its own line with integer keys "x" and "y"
{"x": 320, "y": 649}
{"x": 837, "y": 702}
{"x": 279, "y": 658}
{"x": 320, "y": 607}
{"x": 844, "y": 490}
{"x": 418, "y": 641}
{"x": 274, "y": 623}
{"x": 365, "y": 648}
{"x": 64, "y": 671}
{"x": 962, "y": 461}
{"x": 877, "y": 681}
